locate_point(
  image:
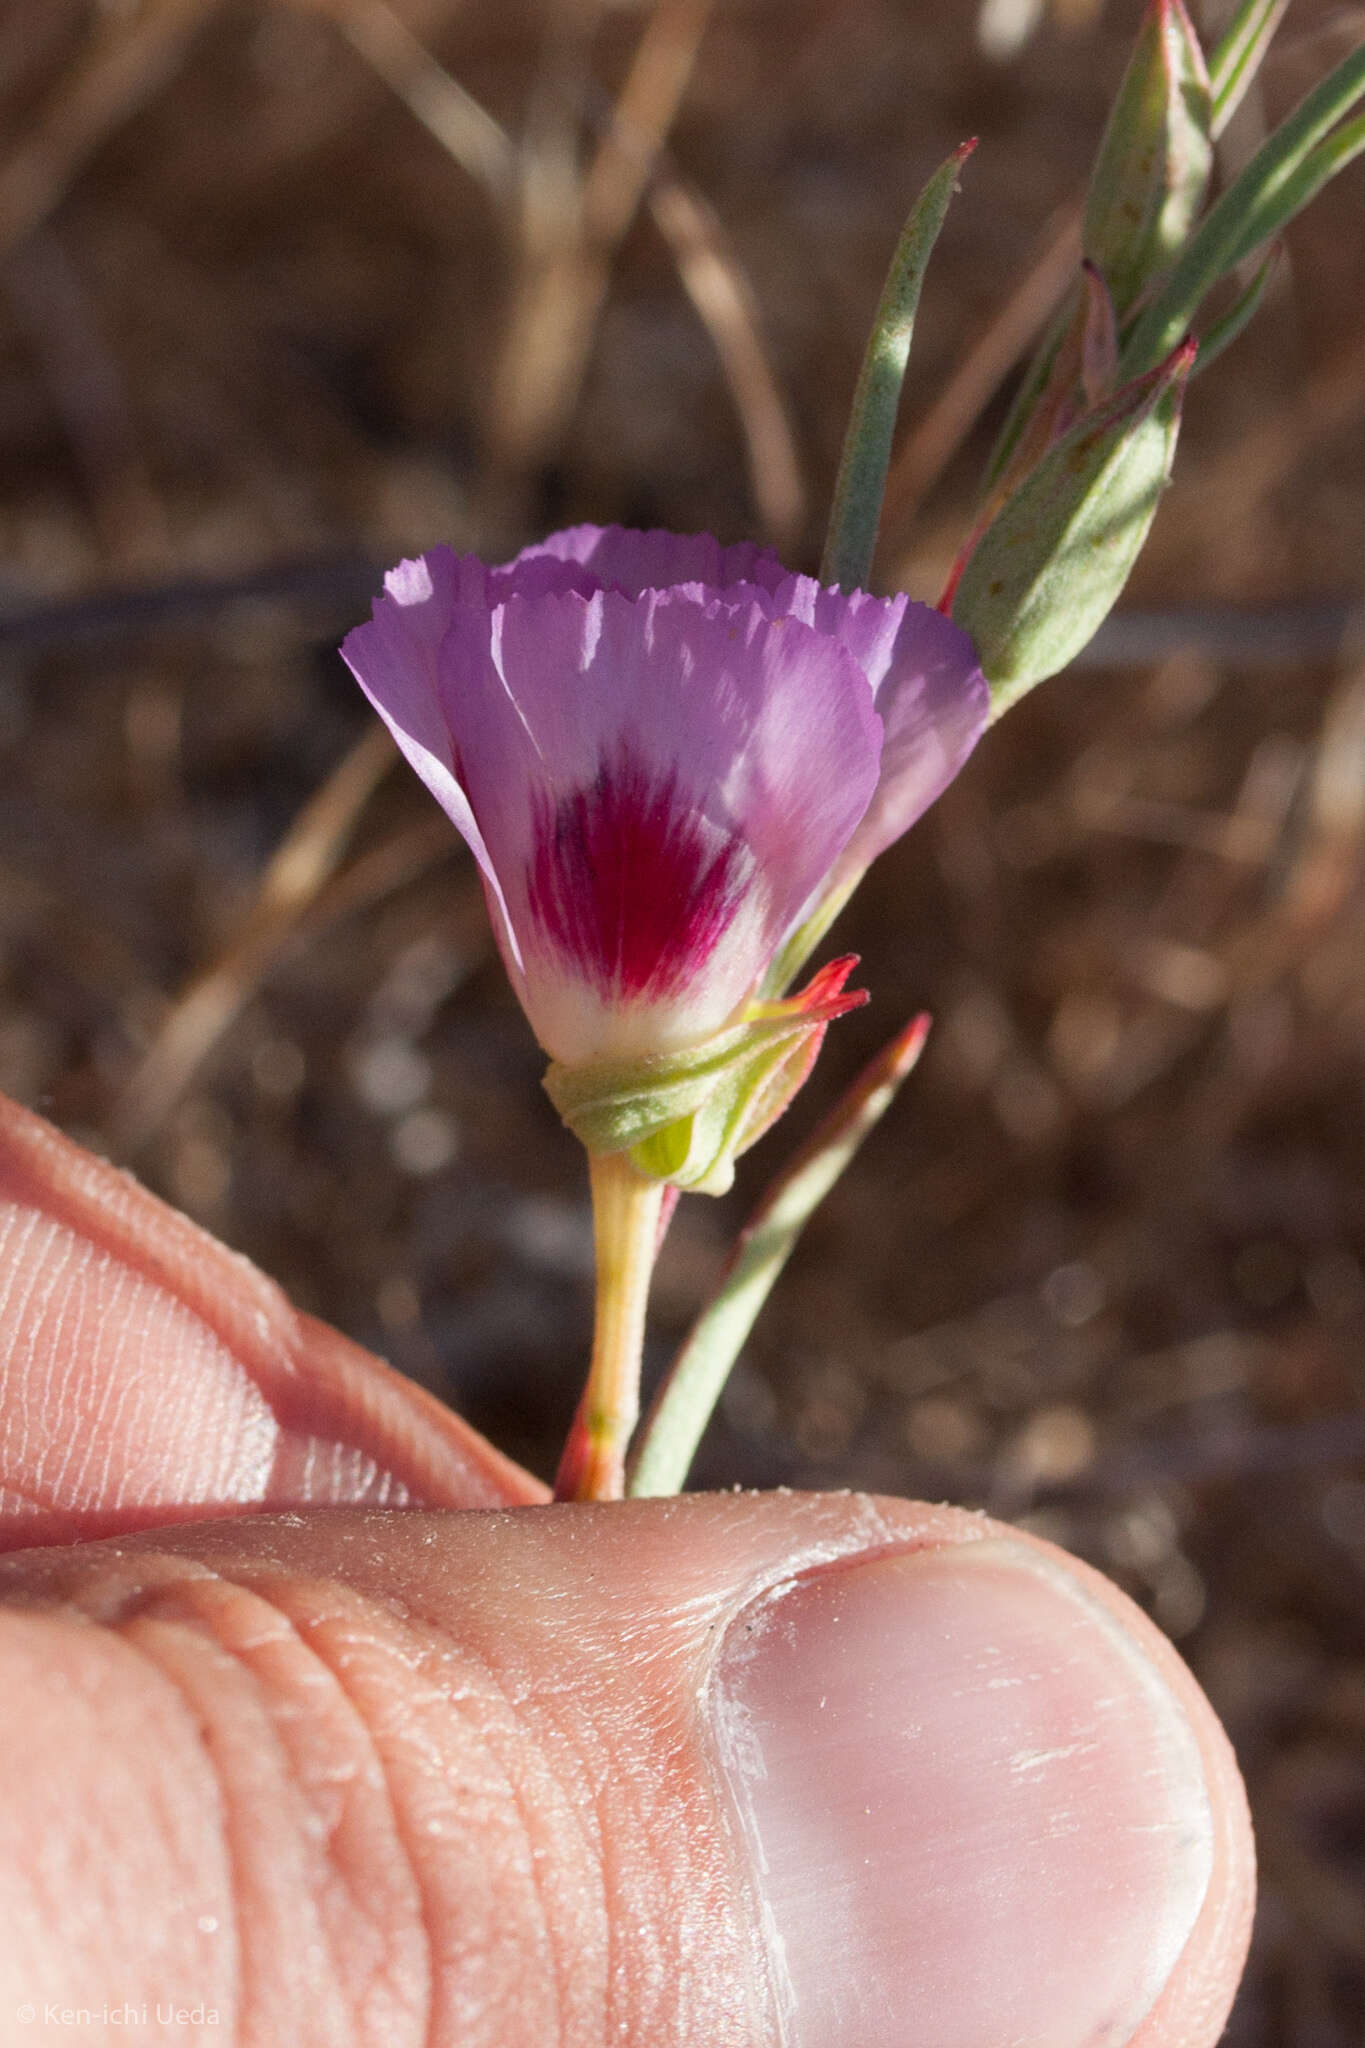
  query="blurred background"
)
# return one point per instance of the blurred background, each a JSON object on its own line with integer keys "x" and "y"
{"x": 289, "y": 288}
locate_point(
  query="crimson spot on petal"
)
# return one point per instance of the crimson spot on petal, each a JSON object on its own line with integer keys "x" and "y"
{"x": 630, "y": 883}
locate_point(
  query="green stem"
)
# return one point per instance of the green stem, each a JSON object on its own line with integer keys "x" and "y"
{"x": 625, "y": 1212}
{"x": 684, "y": 1404}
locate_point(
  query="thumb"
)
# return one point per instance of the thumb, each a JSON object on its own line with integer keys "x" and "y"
{"x": 740, "y": 1770}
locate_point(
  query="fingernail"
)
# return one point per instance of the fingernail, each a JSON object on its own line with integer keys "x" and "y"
{"x": 975, "y": 1811}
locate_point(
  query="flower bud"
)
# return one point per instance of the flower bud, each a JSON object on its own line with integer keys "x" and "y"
{"x": 1051, "y": 564}
{"x": 1153, "y": 166}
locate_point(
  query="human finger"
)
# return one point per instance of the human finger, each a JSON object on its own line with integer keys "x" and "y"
{"x": 736, "y": 1770}
{"x": 151, "y": 1374}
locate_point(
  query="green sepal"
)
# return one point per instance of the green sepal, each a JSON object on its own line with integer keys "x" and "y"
{"x": 1051, "y": 564}
{"x": 698, "y": 1152}
{"x": 1081, "y": 377}
{"x": 1155, "y": 158}
{"x": 684, "y": 1117}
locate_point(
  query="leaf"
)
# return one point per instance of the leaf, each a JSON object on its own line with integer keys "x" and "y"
{"x": 857, "y": 509}
{"x": 1221, "y": 333}
{"x": 1285, "y": 173}
{"x": 1235, "y": 62}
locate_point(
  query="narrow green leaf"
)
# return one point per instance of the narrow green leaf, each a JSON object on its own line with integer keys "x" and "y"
{"x": 1331, "y": 155}
{"x": 1224, "y": 331}
{"x": 1154, "y": 160}
{"x": 1235, "y": 62}
{"x": 683, "y": 1407}
{"x": 1050, "y": 566}
{"x": 1286, "y": 171}
{"x": 857, "y": 509}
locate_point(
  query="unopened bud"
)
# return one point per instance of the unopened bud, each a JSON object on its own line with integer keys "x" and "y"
{"x": 1051, "y": 564}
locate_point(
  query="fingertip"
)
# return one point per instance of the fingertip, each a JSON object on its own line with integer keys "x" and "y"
{"x": 152, "y": 1375}
{"x": 808, "y": 1768}
{"x": 980, "y": 1789}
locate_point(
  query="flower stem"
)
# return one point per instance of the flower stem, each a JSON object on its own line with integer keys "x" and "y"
{"x": 625, "y": 1210}
{"x": 682, "y": 1408}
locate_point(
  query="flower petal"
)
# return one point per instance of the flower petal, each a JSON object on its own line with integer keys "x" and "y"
{"x": 929, "y": 691}
{"x": 394, "y": 660}
{"x": 934, "y": 705}
{"x": 660, "y": 785}
{"x": 621, "y": 558}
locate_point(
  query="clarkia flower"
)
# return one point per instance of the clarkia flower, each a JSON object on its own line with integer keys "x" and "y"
{"x": 665, "y": 755}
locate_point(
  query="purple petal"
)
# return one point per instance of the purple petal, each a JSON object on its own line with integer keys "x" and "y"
{"x": 660, "y": 750}
{"x": 622, "y": 558}
{"x": 660, "y": 785}
{"x": 935, "y": 705}
{"x": 929, "y": 691}
{"x": 394, "y": 660}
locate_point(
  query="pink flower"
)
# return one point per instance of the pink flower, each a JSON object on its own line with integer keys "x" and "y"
{"x": 663, "y": 755}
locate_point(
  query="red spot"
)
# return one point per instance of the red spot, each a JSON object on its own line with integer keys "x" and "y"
{"x": 631, "y": 884}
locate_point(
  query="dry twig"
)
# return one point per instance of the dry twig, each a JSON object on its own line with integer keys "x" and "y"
{"x": 120, "y": 71}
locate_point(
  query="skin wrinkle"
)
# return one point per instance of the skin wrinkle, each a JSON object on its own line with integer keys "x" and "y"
{"x": 273, "y": 1661}
{"x": 97, "y": 1275}
{"x": 120, "y": 1391}
{"x": 154, "y": 1817}
{"x": 165, "y": 1643}
{"x": 92, "y": 1473}
{"x": 565, "y": 1949}
{"x": 646, "y": 1964}
{"x": 335, "y": 1670}
{"x": 427, "y": 1900}
{"x": 249, "y": 1320}
{"x": 15, "y": 1498}
{"x": 32, "y": 1319}
{"x": 172, "y": 1600}
{"x": 94, "y": 1422}
{"x": 66, "y": 1342}
{"x": 564, "y": 1953}
{"x": 555, "y": 1756}
{"x": 20, "y": 1277}
{"x": 41, "y": 1170}
{"x": 406, "y": 1728}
